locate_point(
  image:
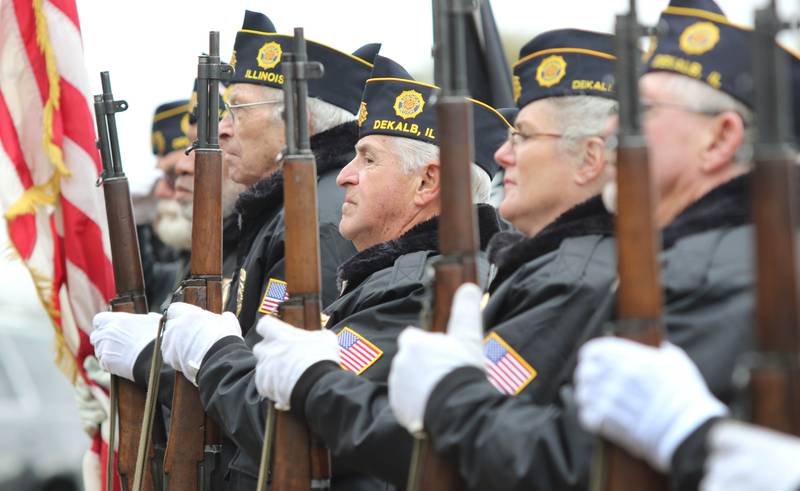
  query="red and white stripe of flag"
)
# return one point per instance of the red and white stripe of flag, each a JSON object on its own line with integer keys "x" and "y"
{"x": 48, "y": 167}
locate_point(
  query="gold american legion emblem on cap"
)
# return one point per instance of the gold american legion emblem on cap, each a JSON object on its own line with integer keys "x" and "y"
{"x": 409, "y": 104}
{"x": 362, "y": 113}
{"x": 517, "y": 87}
{"x": 269, "y": 55}
{"x": 551, "y": 70}
{"x": 159, "y": 141}
{"x": 699, "y": 38}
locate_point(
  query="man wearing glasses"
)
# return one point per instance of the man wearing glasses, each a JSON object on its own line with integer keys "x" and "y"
{"x": 251, "y": 136}
{"x": 549, "y": 279}
{"x": 696, "y": 110}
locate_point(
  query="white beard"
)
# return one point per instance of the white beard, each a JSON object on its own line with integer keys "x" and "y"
{"x": 173, "y": 224}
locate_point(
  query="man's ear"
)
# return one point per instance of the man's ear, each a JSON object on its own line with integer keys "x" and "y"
{"x": 594, "y": 161}
{"x": 725, "y": 137}
{"x": 428, "y": 184}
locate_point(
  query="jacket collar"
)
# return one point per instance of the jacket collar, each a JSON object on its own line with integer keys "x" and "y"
{"x": 727, "y": 205}
{"x": 422, "y": 237}
{"x": 509, "y": 250}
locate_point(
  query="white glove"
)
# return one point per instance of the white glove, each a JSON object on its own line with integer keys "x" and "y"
{"x": 96, "y": 373}
{"x": 746, "y": 457}
{"x": 90, "y": 410}
{"x": 118, "y": 339}
{"x": 648, "y": 400}
{"x": 189, "y": 334}
{"x": 425, "y": 358}
{"x": 285, "y": 353}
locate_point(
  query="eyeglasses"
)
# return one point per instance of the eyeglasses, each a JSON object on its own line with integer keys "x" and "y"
{"x": 234, "y": 108}
{"x": 517, "y": 138}
{"x": 648, "y": 106}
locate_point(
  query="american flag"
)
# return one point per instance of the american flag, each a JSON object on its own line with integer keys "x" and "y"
{"x": 275, "y": 295}
{"x": 49, "y": 163}
{"x": 356, "y": 354}
{"x": 507, "y": 371}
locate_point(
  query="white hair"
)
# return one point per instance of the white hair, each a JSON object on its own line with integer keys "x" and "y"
{"x": 703, "y": 98}
{"x": 323, "y": 115}
{"x": 415, "y": 154}
{"x": 581, "y": 117}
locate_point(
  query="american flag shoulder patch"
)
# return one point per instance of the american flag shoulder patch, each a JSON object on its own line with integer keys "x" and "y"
{"x": 275, "y": 294}
{"x": 356, "y": 353}
{"x": 505, "y": 368}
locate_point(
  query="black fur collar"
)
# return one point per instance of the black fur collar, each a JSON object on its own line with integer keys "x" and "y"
{"x": 727, "y": 205}
{"x": 509, "y": 250}
{"x": 333, "y": 149}
{"x": 422, "y": 237}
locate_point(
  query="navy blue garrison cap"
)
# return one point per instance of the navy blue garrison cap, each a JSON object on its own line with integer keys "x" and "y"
{"x": 564, "y": 62}
{"x": 168, "y": 133}
{"x": 257, "y": 54}
{"x": 695, "y": 38}
{"x": 395, "y": 104}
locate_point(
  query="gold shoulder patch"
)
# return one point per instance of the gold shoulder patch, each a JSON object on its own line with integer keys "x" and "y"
{"x": 551, "y": 70}
{"x": 240, "y": 290}
{"x": 356, "y": 353}
{"x": 505, "y": 368}
{"x": 699, "y": 38}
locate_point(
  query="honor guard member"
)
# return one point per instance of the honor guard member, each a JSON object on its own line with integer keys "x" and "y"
{"x": 336, "y": 379}
{"x": 184, "y": 193}
{"x": 165, "y": 244}
{"x": 695, "y": 96}
{"x": 698, "y": 92}
{"x": 252, "y": 137}
{"x": 552, "y": 275}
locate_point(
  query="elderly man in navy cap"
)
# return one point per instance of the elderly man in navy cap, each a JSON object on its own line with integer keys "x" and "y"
{"x": 698, "y": 95}
{"x": 251, "y": 138}
{"x": 552, "y": 275}
{"x": 335, "y": 379}
{"x": 696, "y": 100}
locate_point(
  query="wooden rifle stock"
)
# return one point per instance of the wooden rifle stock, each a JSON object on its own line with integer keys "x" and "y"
{"x": 194, "y": 442}
{"x": 774, "y": 376}
{"x": 127, "y": 398}
{"x": 639, "y": 295}
{"x": 458, "y": 237}
{"x": 639, "y": 302}
{"x": 299, "y": 462}
{"x": 458, "y": 246}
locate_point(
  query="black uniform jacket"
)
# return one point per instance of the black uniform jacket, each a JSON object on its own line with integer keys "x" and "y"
{"x": 368, "y": 433}
{"x": 260, "y": 254}
{"x": 500, "y": 442}
{"x": 384, "y": 289}
{"x": 262, "y": 223}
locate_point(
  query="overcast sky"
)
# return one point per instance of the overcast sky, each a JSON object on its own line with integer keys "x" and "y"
{"x": 151, "y": 47}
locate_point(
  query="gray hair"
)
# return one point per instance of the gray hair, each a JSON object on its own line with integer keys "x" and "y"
{"x": 323, "y": 115}
{"x": 703, "y": 98}
{"x": 581, "y": 117}
{"x": 414, "y": 154}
